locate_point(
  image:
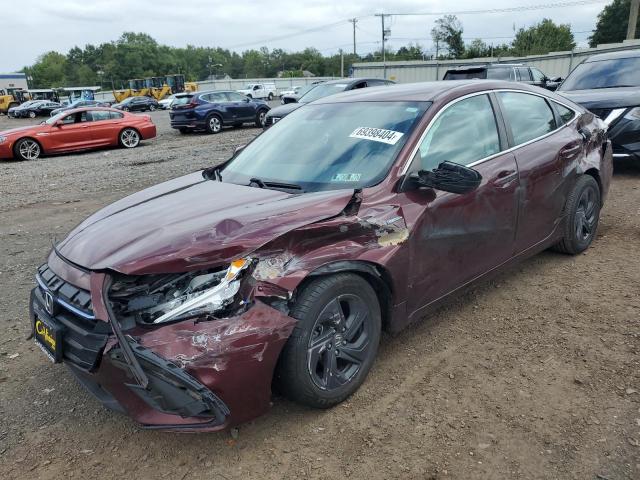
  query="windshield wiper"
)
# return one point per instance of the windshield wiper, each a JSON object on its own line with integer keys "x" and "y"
{"x": 274, "y": 185}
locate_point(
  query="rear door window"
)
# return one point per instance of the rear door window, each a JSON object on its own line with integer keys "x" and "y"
{"x": 99, "y": 115}
{"x": 528, "y": 116}
{"x": 465, "y": 74}
{"x": 523, "y": 74}
{"x": 500, "y": 73}
{"x": 235, "y": 97}
{"x": 115, "y": 115}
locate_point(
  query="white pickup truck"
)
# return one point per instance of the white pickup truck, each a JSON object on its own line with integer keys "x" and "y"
{"x": 260, "y": 90}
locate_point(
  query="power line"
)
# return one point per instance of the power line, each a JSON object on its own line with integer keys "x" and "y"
{"x": 522, "y": 8}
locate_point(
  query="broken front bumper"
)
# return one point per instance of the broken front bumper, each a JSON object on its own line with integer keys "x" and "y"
{"x": 190, "y": 375}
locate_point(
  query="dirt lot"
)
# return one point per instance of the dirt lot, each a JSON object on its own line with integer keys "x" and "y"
{"x": 533, "y": 375}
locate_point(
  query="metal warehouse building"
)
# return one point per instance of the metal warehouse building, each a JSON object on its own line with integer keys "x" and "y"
{"x": 13, "y": 80}
{"x": 553, "y": 64}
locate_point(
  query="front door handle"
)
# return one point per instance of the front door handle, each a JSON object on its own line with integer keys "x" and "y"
{"x": 505, "y": 178}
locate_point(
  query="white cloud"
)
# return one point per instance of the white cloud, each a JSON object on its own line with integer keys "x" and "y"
{"x": 67, "y": 23}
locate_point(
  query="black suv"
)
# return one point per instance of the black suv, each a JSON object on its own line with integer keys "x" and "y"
{"x": 608, "y": 85}
{"x": 138, "y": 104}
{"x": 323, "y": 90}
{"x": 514, "y": 72}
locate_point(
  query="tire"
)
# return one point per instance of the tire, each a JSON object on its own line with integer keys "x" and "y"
{"x": 32, "y": 114}
{"x": 261, "y": 118}
{"x": 152, "y": 108}
{"x": 270, "y": 97}
{"x": 214, "y": 124}
{"x": 311, "y": 370}
{"x": 126, "y": 109}
{"x": 582, "y": 214}
{"x": 27, "y": 149}
{"x": 129, "y": 138}
{"x": 249, "y": 95}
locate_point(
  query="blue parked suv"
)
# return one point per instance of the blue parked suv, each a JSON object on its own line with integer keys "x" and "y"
{"x": 212, "y": 110}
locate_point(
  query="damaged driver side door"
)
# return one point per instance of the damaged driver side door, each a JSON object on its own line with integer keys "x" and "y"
{"x": 458, "y": 237}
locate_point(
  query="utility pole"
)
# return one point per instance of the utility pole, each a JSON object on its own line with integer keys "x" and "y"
{"x": 385, "y": 32}
{"x": 341, "y": 64}
{"x": 354, "y": 21}
{"x": 633, "y": 19}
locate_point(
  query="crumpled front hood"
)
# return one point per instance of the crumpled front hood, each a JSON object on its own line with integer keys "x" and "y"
{"x": 189, "y": 223}
{"x": 604, "y": 97}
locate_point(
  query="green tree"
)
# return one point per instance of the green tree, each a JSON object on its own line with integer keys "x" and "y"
{"x": 612, "y": 24}
{"x": 448, "y": 34}
{"x": 49, "y": 71}
{"x": 542, "y": 38}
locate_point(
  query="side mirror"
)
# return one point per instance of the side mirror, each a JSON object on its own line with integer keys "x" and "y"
{"x": 448, "y": 177}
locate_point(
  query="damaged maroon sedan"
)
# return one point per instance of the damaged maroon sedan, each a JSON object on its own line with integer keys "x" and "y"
{"x": 182, "y": 304}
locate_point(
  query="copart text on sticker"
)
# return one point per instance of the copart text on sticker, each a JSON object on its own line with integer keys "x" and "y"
{"x": 377, "y": 135}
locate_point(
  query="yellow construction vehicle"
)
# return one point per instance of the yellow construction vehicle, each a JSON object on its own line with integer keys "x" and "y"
{"x": 137, "y": 88}
{"x": 156, "y": 87}
{"x": 11, "y": 97}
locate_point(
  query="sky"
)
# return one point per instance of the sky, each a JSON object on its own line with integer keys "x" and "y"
{"x": 244, "y": 24}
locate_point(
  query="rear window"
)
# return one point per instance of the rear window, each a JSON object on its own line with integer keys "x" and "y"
{"x": 465, "y": 74}
{"x": 181, "y": 100}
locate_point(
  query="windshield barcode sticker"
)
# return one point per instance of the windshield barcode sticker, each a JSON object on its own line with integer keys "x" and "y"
{"x": 377, "y": 135}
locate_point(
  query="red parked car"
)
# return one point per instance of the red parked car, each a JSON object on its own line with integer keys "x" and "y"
{"x": 78, "y": 129}
{"x": 181, "y": 304}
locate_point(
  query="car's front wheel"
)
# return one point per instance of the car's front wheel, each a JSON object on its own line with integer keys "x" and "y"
{"x": 32, "y": 114}
{"x": 334, "y": 343}
{"x": 582, "y": 214}
{"x": 27, "y": 149}
{"x": 152, "y": 108}
{"x": 129, "y": 138}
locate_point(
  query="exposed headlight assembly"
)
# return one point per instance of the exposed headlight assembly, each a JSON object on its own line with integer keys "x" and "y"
{"x": 164, "y": 298}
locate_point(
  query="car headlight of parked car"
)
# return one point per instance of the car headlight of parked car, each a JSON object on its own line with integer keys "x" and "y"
{"x": 633, "y": 114}
{"x": 155, "y": 299}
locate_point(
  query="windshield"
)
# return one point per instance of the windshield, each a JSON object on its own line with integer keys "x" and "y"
{"x": 328, "y": 146}
{"x": 621, "y": 72}
{"x": 322, "y": 90}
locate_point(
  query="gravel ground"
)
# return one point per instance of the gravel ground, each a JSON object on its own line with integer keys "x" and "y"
{"x": 533, "y": 375}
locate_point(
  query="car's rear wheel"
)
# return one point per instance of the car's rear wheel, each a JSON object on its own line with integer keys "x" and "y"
{"x": 582, "y": 214}
{"x": 32, "y": 114}
{"x": 261, "y": 118}
{"x": 27, "y": 149}
{"x": 152, "y": 108}
{"x": 129, "y": 138}
{"x": 126, "y": 109}
{"x": 214, "y": 124}
{"x": 270, "y": 96}
{"x": 334, "y": 343}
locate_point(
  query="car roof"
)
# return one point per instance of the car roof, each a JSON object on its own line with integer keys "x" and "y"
{"x": 92, "y": 109}
{"x": 351, "y": 81}
{"x": 429, "y": 91}
{"x": 486, "y": 65}
{"x": 613, "y": 55}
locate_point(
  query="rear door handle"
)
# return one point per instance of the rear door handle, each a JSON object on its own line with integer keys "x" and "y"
{"x": 571, "y": 150}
